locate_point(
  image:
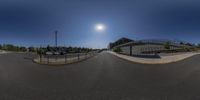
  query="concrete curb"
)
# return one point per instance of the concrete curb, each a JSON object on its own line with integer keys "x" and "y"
{"x": 162, "y": 60}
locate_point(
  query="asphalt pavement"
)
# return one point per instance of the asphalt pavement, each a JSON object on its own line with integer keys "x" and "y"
{"x": 102, "y": 77}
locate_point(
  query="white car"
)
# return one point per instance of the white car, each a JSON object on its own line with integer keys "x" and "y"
{"x": 56, "y": 53}
{"x": 49, "y": 53}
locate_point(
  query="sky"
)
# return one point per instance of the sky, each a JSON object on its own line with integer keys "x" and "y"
{"x": 33, "y": 22}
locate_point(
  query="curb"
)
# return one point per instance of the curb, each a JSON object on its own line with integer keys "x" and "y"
{"x": 162, "y": 60}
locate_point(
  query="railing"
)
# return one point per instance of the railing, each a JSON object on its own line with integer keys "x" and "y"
{"x": 154, "y": 41}
{"x": 63, "y": 59}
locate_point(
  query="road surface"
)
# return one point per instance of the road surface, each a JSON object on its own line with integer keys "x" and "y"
{"x": 103, "y": 77}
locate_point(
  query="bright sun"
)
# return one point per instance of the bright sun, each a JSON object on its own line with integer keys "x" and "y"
{"x": 100, "y": 27}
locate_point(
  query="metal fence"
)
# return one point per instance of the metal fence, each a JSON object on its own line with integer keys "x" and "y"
{"x": 63, "y": 59}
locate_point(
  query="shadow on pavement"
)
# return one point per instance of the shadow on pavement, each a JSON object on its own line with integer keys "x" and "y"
{"x": 147, "y": 56}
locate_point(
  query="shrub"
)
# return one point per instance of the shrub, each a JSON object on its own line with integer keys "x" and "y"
{"x": 117, "y": 50}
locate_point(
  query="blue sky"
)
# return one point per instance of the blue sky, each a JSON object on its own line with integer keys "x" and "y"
{"x": 32, "y": 23}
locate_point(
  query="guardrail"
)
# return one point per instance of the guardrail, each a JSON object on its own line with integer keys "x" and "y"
{"x": 63, "y": 59}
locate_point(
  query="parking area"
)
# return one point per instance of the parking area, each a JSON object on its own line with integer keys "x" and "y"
{"x": 102, "y": 77}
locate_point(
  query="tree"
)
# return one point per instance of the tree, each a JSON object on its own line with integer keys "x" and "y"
{"x": 189, "y": 44}
{"x": 10, "y": 47}
{"x": 167, "y": 45}
{"x": 198, "y": 45}
{"x": 48, "y": 48}
{"x": 3, "y": 47}
{"x": 181, "y": 43}
{"x": 31, "y": 49}
{"x": 23, "y": 49}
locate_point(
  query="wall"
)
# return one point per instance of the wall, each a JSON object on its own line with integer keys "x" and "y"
{"x": 147, "y": 48}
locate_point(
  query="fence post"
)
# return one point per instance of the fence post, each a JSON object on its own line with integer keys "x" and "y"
{"x": 78, "y": 56}
{"x": 65, "y": 59}
{"x": 40, "y": 58}
{"x": 48, "y": 59}
{"x": 56, "y": 58}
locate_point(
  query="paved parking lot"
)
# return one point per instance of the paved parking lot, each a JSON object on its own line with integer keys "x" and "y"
{"x": 103, "y": 77}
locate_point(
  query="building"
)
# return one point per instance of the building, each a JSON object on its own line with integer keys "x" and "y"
{"x": 145, "y": 47}
{"x": 119, "y": 42}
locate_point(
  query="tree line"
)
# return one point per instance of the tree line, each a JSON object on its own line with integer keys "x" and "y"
{"x": 10, "y": 47}
{"x": 64, "y": 50}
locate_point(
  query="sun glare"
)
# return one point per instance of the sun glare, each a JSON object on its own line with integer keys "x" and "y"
{"x": 100, "y": 27}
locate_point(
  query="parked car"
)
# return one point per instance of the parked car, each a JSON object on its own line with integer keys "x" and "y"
{"x": 49, "y": 53}
{"x": 62, "y": 53}
{"x": 56, "y": 53}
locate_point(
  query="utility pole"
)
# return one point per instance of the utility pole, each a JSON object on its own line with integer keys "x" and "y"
{"x": 56, "y": 37}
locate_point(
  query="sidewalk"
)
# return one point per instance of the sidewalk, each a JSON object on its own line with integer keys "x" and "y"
{"x": 162, "y": 60}
{"x": 3, "y": 52}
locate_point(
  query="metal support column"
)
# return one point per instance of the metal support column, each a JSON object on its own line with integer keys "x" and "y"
{"x": 131, "y": 47}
